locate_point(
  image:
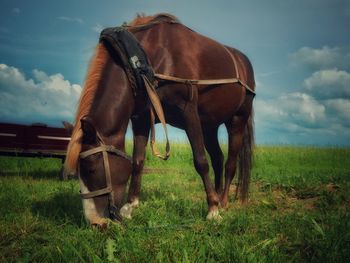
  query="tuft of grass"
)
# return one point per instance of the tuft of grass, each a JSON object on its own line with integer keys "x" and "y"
{"x": 298, "y": 211}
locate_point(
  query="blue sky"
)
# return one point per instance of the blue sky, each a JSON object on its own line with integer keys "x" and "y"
{"x": 300, "y": 51}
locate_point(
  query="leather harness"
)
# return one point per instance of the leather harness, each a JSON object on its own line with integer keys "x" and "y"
{"x": 122, "y": 43}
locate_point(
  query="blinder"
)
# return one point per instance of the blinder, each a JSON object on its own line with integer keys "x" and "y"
{"x": 105, "y": 150}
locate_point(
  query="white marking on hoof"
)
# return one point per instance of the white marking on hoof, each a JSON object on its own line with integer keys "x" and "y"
{"x": 135, "y": 203}
{"x": 214, "y": 216}
{"x": 126, "y": 211}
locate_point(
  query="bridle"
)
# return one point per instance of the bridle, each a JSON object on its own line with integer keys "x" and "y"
{"x": 108, "y": 190}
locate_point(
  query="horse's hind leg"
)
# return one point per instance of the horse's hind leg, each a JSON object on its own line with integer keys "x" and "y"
{"x": 195, "y": 136}
{"x": 240, "y": 144}
{"x": 217, "y": 158}
{"x": 235, "y": 129}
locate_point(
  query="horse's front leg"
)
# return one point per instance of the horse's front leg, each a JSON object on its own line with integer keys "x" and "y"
{"x": 195, "y": 135}
{"x": 140, "y": 126}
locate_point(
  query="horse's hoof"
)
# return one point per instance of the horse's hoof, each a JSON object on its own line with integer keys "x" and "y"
{"x": 214, "y": 215}
{"x": 126, "y": 211}
{"x": 135, "y": 203}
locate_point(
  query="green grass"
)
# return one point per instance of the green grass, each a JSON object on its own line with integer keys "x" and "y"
{"x": 298, "y": 212}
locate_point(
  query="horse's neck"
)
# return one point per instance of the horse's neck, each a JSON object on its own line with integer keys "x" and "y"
{"x": 113, "y": 103}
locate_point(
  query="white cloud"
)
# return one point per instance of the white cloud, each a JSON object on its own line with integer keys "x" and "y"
{"x": 320, "y": 113}
{"x": 302, "y": 108}
{"x": 322, "y": 58}
{"x": 301, "y": 118}
{"x": 42, "y": 98}
{"x": 328, "y": 84}
{"x": 293, "y": 108}
{"x": 97, "y": 28}
{"x": 71, "y": 19}
{"x": 339, "y": 110}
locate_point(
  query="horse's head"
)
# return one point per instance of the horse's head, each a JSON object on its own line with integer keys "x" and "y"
{"x": 97, "y": 147}
{"x": 104, "y": 170}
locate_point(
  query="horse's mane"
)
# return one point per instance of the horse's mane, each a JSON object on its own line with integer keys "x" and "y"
{"x": 142, "y": 19}
{"x": 86, "y": 98}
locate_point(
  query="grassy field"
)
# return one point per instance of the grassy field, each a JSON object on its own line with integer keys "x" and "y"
{"x": 298, "y": 212}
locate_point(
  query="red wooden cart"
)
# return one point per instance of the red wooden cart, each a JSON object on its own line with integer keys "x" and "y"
{"x": 36, "y": 140}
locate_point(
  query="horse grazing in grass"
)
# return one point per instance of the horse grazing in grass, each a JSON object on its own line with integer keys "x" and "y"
{"x": 97, "y": 148}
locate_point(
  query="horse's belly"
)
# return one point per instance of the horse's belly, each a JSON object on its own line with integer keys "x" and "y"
{"x": 219, "y": 103}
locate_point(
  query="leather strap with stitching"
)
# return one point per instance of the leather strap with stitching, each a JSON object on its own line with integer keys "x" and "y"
{"x": 156, "y": 108}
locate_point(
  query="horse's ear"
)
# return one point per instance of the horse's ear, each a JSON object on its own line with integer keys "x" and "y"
{"x": 69, "y": 127}
{"x": 89, "y": 130}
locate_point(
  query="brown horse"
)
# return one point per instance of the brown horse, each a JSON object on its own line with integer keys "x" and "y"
{"x": 108, "y": 103}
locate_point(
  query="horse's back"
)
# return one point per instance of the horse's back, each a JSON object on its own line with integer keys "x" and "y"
{"x": 176, "y": 50}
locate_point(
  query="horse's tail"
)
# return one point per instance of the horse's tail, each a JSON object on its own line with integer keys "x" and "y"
{"x": 245, "y": 159}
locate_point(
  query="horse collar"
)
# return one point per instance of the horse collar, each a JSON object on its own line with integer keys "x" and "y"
{"x": 122, "y": 44}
